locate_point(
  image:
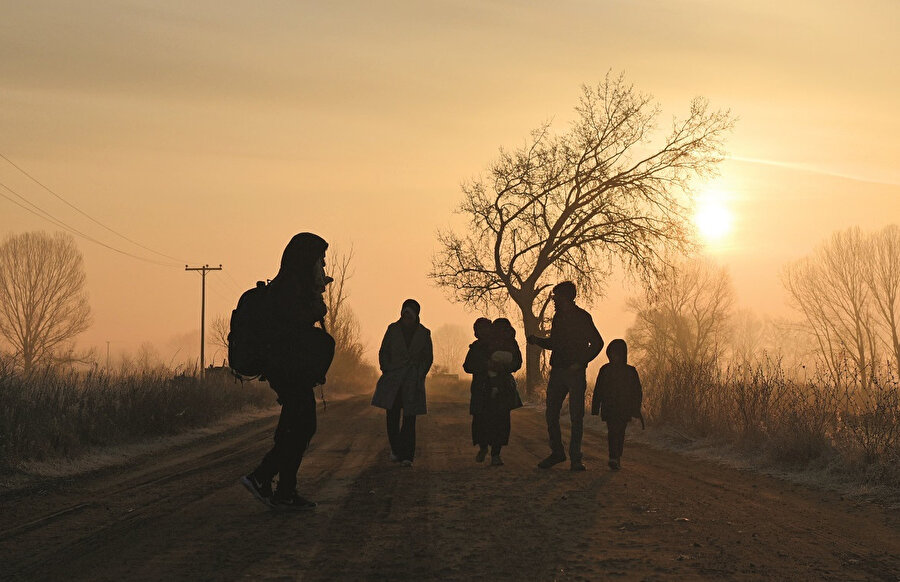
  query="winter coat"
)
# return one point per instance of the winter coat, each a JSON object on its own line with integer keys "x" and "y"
{"x": 299, "y": 354}
{"x": 574, "y": 338}
{"x": 477, "y": 363}
{"x": 480, "y": 363}
{"x": 617, "y": 393}
{"x": 403, "y": 369}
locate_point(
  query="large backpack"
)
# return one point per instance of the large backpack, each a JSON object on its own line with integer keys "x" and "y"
{"x": 247, "y": 342}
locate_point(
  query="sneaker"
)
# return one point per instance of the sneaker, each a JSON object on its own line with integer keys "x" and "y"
{"x": 406, "y": 463}
{"x": 615, "y": 464}
{"x": 394, "y": 458}
{"x": 496, "y": 461}
{"x": 261, "y": 491}
{"x": 551, "y": 460}
{"x": 292, "y": 502}
{"x": 577, "y": 466}
{"x": 482, "y": 453}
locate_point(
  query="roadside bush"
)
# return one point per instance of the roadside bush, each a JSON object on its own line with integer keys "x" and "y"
{"x": 796, "y": 423}
{"x": 51, "y": 413}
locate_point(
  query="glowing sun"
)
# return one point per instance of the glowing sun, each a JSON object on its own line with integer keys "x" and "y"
{"x": 713, "y": 218}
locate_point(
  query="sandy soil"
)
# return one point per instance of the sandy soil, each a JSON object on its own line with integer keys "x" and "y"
{"x": 180, "y": 514}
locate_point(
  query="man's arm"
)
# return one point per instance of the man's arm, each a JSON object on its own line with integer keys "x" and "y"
{"x": 384, "y": 352}
{"x": 599, "y": 392}
{"x": 595, "y": 341}
{"x": 542, "y": 342}
{"x": 427, "y": 354}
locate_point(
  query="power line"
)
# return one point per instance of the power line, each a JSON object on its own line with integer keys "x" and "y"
{"x": 234, "y": 283}
{"x": 85, "y": 214}
{"x": 37, "y": 210}
{"x": 41, "y": 213}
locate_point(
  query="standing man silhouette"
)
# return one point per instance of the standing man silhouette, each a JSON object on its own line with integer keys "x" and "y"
{"x": 574, "y": 341}
{"x": 405, "y": 356}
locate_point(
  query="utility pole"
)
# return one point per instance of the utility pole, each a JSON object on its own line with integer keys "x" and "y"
{"x": 203, "y": 271}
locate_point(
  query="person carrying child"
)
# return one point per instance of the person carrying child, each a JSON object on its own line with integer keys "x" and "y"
{"x": 491, "y": 360}
{"x": 617, "y": 398}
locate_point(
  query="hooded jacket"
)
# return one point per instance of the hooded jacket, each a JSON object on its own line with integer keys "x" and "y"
{"x": 296, "y": 299}
{"x": 300, "y": 353}
{"x": 574, "y": 339}
{"x": 617, "y": 393}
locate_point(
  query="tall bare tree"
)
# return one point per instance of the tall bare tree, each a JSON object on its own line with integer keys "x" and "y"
{"x": 829, "y": 288}
{"x": 43, "y": 303}
{"x": 567, "y": 206}
{"x": 686, "y": 319}
{"x": 340, "y": 321}
{"x": 882, "y": 275}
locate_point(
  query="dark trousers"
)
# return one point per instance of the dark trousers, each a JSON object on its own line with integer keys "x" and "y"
{"x": 615, "y": 433}
{"x": 492, "y": 426}
{"x": 296, "y": 427}
{"x": 572, "y": 383}
{"x": 401, "y": 436}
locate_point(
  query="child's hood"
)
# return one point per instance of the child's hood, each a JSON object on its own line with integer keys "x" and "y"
{"x": 617, "y": 352}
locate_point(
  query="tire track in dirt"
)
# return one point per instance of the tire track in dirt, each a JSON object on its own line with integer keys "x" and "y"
{"x": 663, "y": 517}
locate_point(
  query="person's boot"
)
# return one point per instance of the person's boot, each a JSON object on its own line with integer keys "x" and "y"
{"x": 482, "y": 453}
{"x": 577, "y": 466}
{"x": 291, "y": 502}
{"x": 262, "y": 491}
{"x": 553, "y": 459}
{"x": 496, "y": 461}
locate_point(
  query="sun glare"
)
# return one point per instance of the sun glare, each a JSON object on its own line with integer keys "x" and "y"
{"x": 713, "y": 218}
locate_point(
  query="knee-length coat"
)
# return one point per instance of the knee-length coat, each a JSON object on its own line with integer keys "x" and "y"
{"x": 403, "y": 369}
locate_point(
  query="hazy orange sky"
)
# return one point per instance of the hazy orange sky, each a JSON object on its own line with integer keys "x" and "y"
{"x": 214, "y": 131}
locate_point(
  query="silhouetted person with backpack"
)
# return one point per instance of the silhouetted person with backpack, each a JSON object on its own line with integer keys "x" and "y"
{"x": 574, "y": 341}
{"x": 405, "y": 357}
{"x": 617, "y": 398}
{"x": 296, "y": 357}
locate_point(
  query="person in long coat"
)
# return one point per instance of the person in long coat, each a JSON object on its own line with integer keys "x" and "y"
{"x": 477, "y": 363}
{"x": 405, "y": 357}
{"x": 491, "y": 360}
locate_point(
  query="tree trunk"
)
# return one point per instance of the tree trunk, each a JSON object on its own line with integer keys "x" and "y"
{"x": 27, "y": 360}
{"x": 534, "y": 379}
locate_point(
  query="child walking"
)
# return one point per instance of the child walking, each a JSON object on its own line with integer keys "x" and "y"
{"x": 617, "y": 398}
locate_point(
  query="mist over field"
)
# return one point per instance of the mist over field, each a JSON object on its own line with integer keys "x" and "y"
{"x": 719, "y": 182}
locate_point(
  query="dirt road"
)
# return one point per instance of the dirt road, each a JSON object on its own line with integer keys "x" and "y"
{"x": 182, "y": 516}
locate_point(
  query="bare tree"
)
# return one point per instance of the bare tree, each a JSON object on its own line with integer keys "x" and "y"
{"x": 567, "y": 206}
{"x": 882, "y": 275}
{"x": 219, "y": 328}
{"x": 43, "y": 303}
{"x": 830, "y": 290}
{"x": 686, "y": 319}
{"x": 747, "y": 337}
{"x": 450, "y": 343}
{"x": 340, "y": 321}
